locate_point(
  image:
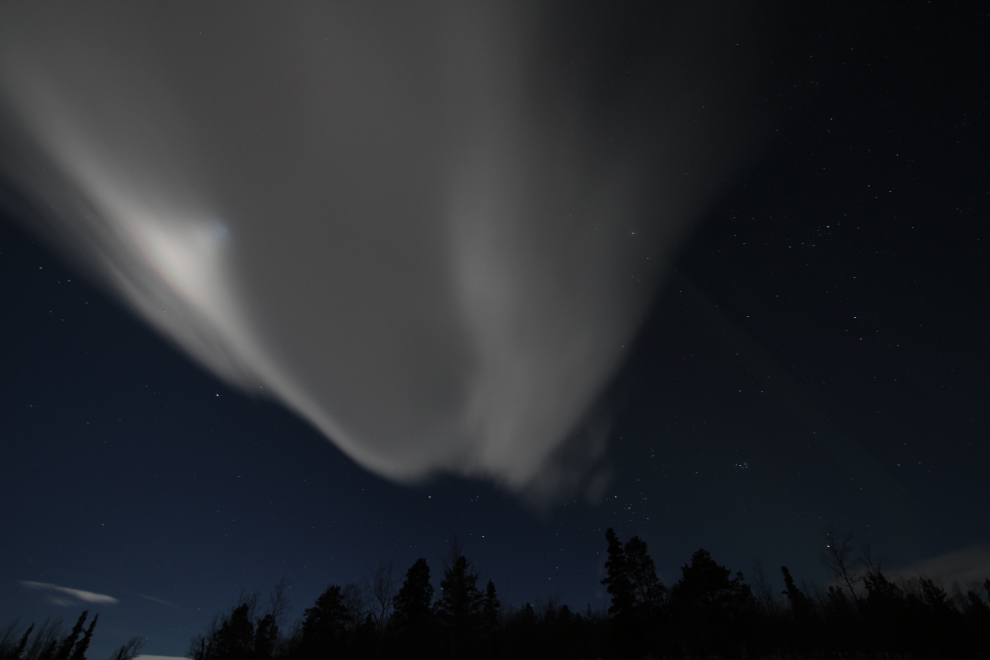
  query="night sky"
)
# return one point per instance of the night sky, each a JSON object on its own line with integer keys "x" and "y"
{"x": 815, "y": 354}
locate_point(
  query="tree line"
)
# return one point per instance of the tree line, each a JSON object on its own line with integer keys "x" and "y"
{"x": 51, "y": 641}
{"x": 709, "y": 612}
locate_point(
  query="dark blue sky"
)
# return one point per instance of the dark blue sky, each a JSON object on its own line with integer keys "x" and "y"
{"x": 818, "y": 355}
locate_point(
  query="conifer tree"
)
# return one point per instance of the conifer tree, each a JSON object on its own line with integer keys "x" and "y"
{"x": 617, "y": 581}
{"x": 632, "y": 579}
{"x": 647, "y": 589}
{"x": 265, "y": 637}
{"x": 19, "y": 653}
{"x": 79, "y": 652}
{"x": 65, "y": 648}
{"x": 415, "y": 598}
{"x": 235, "y": 639}
{"x": 324, "y": 624}
{"x": 803, "y": 617}
{"x": 801, "y": 606}
{"x": 491, "y": 610}
{"x": 459, "y": 606}
{"x": 711, "y": 607}
{"x": 129, "y": 650}
{"x": 459, "y": 601}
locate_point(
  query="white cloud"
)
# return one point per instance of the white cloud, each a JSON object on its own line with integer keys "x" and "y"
{"x": 55, "y": 591}
{"x": 971, "y": 564}
{"x": 423, "y": 247}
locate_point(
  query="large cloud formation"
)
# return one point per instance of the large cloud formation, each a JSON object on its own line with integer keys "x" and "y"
{"x": 430, "y": 230}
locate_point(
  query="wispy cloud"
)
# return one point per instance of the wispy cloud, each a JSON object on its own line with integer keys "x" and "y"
{"x": 157, "y": 600}
{"x": 962, "y": 566}
{"x": 56, "y": 594}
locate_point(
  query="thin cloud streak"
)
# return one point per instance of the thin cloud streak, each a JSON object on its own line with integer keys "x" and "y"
{"x": 156, "y": 600}
{"x": 78, "y": 594}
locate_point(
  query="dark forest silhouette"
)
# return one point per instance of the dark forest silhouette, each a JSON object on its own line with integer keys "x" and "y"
{"x": 709, "y": 612}
{"x": 50, "y": 642}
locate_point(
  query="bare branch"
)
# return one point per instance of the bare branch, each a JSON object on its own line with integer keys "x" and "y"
{"x": 381, "y": 585}
{"x": 765, "y": 595}
{"x": 836, "y": 558}
{"x": 278, "y": 603}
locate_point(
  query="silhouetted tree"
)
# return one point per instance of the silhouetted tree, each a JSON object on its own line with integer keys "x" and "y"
{"x": 837, "y": 557}
{"x": 937, "y": 624}
{"x": 235, "y": 639}
{"x": 20, "y": 647}
{"x": 763, "y": 591}
{"x": 801, "y": 606}
{"x": 459, "y": 606}
{"x": 649, "y": 592}
{"x": 413, "y": 604}
{"x": 521, "y": 633}
{"x": 712, "y": 609}
{"x": 44, "y": 643}
{"x": 48, "y": 643}
{"x": 65, "y": 648}
{"x": 803, "y": 621}
{"x": 412, "y": 614}
{"x": 617, "y": 581}
{"x": 977, "y": 614}
{"x": 243, "y": 635}
{"x": 324, "y": 625}
{"x": 632, "y": 579}
{"x": 709, "y": 612}
{"x": 268, "y": 641}
{"x": 491, "y": 618}
{"x": 380, "y": 586}
{"x": 79, "y": 652}
{"x": 129, "y": 650}
{"x": 561, "y": 623}
{"x": 266, "y": 638}
{"x": 840, "y": 619}
{"x": 8, "y": 651}
{"x": 46, "y": 638}
{"x": 638, "y": 595}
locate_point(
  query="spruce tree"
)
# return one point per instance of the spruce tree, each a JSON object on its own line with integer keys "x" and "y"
{"x": 79, "y": 652}
{"x": 713, "y": 609}
{"x": 632, "y": 579}
{"x": 65, "y": 648}
{"x": 617, "y": 581}
{"x": 235, "y": 639}
{"x": 647, "y": 589}
{"x": 801, "y": 606}
{"x": 459, "y": 607}
{"x": 19, "y": 653}
{"x": 415, "y": 598}
{"x": 491, "y": 616}
{"x": 324, "y": 624}
{"x": 265, "y": 637}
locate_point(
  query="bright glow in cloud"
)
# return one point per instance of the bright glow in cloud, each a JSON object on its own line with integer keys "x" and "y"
{"x": 78, "y": 594}
{"x": 426, "y": 231}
